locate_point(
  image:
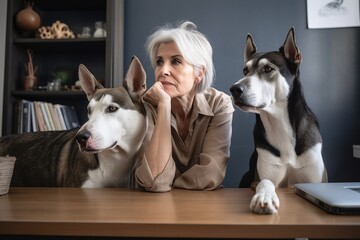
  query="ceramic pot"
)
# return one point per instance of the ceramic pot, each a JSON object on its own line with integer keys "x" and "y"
{"x": 27, "y": 19}
{"x": 30, "y": 82}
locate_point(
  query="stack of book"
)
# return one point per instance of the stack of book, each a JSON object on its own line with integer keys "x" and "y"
{"x": 36, "y": 116}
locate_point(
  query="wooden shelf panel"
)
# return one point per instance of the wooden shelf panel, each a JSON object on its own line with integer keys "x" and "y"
{"x": 60, "y": 45}
{"x": 67, "y": 5}
{"x": 43, "y": 95}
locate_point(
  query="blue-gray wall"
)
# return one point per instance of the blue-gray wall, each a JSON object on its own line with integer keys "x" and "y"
{"x": 330, "y": 71}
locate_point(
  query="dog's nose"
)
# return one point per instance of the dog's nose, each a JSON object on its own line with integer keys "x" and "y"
{"x": 83, "y": 136}
{"x": 236, "y": 90}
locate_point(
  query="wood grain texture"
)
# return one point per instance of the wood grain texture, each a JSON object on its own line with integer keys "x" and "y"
{"x": 222, "y": 213}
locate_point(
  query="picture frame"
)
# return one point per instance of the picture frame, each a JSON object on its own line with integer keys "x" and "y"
{"x": 333, "y": 13}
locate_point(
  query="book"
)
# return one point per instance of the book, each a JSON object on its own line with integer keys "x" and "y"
{"x": 73, "y": 119}
{"x": 45, "y": 116}
{"x": 39, "y": 117}
{"x": 70, "y": 117}
{"x": 58, "y": 114}
{"x": 50, "y": 118}
{"x": 34, "y": 122}
{"x": 26, "y": 118}
{"x": 54, "y": 118}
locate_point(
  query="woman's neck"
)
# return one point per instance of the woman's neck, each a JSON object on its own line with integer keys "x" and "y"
{"x": 181, "y": 107}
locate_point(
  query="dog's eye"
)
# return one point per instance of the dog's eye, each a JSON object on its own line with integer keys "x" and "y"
{"x": 268, "y": 69}
{"x": 89, "y": 111}
{"x": 111, "y": 109}
{"x": 245, "y": 71}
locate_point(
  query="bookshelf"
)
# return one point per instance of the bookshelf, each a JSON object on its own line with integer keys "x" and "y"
{"x": 52, "y": 55}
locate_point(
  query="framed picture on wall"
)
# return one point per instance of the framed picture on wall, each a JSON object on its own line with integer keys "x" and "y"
{"x": 333, "y": 13}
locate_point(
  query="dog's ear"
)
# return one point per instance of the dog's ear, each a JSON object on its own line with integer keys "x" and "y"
{"x": 289, "y": 48}
{"x": 88, "y": 82}
{"x": 135, "y": 79}
{"x": 250, "y": 48}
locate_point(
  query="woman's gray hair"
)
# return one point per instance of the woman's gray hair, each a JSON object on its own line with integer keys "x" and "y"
{"x": 193, "y": 46}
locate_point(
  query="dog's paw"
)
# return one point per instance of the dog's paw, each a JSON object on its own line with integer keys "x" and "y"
{"x": 265, "y": 201}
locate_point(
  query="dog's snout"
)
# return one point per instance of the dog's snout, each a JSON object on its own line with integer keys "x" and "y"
{"x": 83, "y": 136}
{"x": 236, "y": 90}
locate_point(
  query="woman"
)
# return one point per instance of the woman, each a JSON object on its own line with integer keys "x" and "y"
{"x": 189, "y": 122}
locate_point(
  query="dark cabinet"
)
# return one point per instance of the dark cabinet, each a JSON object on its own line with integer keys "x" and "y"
{"x": 52, "y": 56}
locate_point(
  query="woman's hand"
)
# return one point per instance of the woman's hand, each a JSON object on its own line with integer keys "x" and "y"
{"x": 156, "y": 95}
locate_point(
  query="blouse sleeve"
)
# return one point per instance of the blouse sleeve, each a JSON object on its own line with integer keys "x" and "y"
{"x": 163, "y": 182}
{"x": 209, "y": 173}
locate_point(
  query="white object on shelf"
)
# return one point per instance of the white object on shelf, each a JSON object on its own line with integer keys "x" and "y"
{"x": 356, "y": 151}
{"x": 100, "y": 31}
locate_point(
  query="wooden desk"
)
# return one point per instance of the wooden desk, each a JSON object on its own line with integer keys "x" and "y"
{"x": 223, "y": 213}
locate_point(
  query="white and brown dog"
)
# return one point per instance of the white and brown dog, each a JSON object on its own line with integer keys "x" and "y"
{"x": 287, "y": 138}
{"x": 102, "y": 153}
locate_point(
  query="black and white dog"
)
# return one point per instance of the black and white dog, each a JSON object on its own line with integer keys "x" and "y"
{"x": 102, "y": 153}
{"x": 286, "y": 134}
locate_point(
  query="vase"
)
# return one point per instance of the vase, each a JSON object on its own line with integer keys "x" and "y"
{"x": 100, "y": 31}
{"x": 27, "y": 20}
{"x": 30, "y": 83}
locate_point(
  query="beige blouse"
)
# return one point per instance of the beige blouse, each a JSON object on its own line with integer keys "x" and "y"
{"x": 200, "y": 161}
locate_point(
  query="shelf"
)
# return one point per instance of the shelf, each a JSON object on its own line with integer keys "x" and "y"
{"x": 59, "y": 45}
{"x": 57, "y": 41}
{"x": 41, "y": 95}
{"x": 67, "y": 5}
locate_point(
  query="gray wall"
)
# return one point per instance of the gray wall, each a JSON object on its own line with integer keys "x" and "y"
{"x": 329, "y": 72}
{"x": 3, "y": 7}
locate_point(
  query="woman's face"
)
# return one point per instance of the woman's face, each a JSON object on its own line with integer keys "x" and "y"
{"x": 176, "y": 75}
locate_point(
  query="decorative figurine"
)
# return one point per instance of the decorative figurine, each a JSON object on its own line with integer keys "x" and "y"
{"x": 85, "y": 33}
{"x": 100, "y": 31}
{"x": 58, "y": 30}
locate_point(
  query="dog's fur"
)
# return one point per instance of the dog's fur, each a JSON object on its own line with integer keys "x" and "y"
{"x": 286, "y": 134}
{"x": 102, "y": 153}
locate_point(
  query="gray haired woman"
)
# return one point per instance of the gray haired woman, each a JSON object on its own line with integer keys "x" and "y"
{"x": 190, "y": 122}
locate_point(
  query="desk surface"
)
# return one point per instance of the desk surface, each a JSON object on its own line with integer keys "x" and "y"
{"x": 222, "y": 213}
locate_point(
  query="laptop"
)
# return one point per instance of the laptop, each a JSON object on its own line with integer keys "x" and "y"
{"x": 337, "y": 198}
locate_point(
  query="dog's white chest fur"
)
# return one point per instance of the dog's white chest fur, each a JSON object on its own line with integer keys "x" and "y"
{"x": 114, "y": 171}
{"x": 279, "y": 133}
{"x": 289, "y": 168}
